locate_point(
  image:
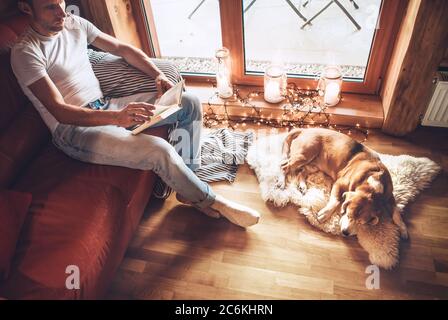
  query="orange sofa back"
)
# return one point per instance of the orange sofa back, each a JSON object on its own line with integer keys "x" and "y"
{"x": 22, "y": 131}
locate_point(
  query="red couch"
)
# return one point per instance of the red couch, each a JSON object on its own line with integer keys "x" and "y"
{"x": 80, "y": 214}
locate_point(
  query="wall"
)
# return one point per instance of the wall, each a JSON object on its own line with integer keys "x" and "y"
{"x": 418, "y": 53}
{"x": 8, "y": 8}
{"x": 115, "y": 17}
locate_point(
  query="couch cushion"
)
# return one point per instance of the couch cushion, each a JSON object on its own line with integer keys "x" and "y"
{"x": 20, "y": 142}
{"x": 17, "y": 23}
{"x": 52, "y": 168}
{"x": 83, "y": 215}
{"x": 13, "y": 209}
{"x": 11, "y": 95}
{"x": 22, "y": 131}
{"x": 64, "y": 230}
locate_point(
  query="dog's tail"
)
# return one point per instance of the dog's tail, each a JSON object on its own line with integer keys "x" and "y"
{"x": 287, "y": 143}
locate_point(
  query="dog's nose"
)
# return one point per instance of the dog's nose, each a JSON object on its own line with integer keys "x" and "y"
{"x": 345, "y": 233}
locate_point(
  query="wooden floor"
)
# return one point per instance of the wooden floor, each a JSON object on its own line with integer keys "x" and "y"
{"x": 178, "y": 253}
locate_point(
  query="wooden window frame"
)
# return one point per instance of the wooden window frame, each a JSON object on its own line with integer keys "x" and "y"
{"x": 231, "y": 12}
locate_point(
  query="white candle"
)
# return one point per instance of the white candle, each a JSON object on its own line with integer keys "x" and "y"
{"x": 272, "y": 92}
{"x": 224, "y": 88}
{"x": 332, "y": 92}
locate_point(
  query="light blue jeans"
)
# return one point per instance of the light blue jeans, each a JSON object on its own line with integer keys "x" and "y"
{"x": 115, "y": 146}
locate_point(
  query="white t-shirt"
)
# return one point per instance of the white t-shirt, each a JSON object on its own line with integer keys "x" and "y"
{"x": 64, "y": 59}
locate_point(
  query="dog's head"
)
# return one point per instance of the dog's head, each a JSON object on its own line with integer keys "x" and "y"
{"x": 360, "y": 208}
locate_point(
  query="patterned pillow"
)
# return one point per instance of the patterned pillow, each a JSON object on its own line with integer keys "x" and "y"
{"x": 119, "y": 79}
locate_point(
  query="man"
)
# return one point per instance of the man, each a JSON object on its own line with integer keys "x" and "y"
{"x": 51, "y": 64}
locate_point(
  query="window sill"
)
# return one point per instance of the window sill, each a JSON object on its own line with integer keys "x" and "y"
{"x": 365, "y": 110}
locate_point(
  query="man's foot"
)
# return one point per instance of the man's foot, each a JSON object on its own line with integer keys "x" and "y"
{"x": 208, "y": 211}
{"x": 161, "y": 190}
{"x": 236, "y": 213}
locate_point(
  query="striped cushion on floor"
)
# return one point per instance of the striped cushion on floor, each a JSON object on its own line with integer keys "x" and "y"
{"x": 222, "y": 151}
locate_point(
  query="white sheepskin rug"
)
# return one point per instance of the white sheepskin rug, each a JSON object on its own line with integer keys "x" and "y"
{"x": 410, "y": 175}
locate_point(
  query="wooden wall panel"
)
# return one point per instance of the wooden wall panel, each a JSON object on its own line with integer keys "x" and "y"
{"x": 445, "y": 59}
{"x": 114, "y": 17}
{"x": 418, "y": 52}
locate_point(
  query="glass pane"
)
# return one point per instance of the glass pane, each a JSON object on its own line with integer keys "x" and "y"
{"x": 189, "y": 32}
{"x": 341, "y": 33}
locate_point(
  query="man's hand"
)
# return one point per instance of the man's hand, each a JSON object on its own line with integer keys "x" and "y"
{"x": 163, "y": 84}
{"x": 134, "y": 113}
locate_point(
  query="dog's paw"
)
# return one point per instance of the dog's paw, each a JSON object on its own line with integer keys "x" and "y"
{"x": 281, "y": 182}
{"x": 284, "y": 165}
{"x": 302, "y": 187}
{"x": 323, "y": 215}
{"x": 404, "y": 233}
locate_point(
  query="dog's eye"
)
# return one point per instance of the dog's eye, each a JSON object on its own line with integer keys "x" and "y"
{"x": 373, "y": 221}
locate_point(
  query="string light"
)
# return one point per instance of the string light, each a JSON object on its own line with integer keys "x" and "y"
{"x": 304, "y": 109}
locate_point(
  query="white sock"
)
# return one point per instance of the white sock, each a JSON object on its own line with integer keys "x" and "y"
{"x": 208, "y": 211}
{"x": 236, "y": 213}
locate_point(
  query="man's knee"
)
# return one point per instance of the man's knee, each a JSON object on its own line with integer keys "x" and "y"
{"x": 192, "y": 106}
{"x": 164, "y": 155}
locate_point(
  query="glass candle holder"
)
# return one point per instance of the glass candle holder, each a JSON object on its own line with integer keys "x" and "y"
{"x": 275, "y": 81}
{"x": 224, "y": 73}
{"x": 330, "y": 85}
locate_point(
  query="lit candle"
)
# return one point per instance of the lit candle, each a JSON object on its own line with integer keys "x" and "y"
{"x": 223, "y": 72}
{"x": 274, "y": 84}
{"x": 272, "y": 92}
{"x": 224, "y": 88}
{"x": 332, "y": 91}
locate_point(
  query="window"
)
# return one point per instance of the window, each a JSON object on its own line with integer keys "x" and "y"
{"x": 187, "y": 32}
{"x": 302, "y": 35}
{"x": 282, "y": 32}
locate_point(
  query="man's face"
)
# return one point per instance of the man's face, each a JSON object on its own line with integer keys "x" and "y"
{"x": 49, "y": 14}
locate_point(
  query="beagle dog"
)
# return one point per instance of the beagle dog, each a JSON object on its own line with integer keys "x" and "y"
{"x": 362, "y": 187}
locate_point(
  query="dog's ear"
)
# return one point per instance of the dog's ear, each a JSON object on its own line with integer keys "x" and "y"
{"x": 346, "y": 197}
{"x": 383, "y": 204}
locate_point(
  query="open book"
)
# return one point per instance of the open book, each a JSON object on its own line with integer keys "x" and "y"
{"x": 166, "y": 105}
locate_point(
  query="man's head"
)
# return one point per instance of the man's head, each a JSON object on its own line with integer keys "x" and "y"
{"x": 48, "y": 16}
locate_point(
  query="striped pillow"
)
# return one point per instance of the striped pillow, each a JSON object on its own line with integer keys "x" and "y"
{"x": 119, "y": 79}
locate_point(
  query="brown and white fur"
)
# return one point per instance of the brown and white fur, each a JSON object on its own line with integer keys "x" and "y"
{"x": 362, "y": 187}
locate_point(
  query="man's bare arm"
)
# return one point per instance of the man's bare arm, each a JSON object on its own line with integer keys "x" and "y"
{"x": 135, "y": 57}
{"x": 131, "y": 54}
{"x": 48, "y": 94}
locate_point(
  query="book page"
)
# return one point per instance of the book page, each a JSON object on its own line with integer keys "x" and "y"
{"x": 169, "y": 103}
{"x": 172, "y": 96}
{"x": 160, "y": 109}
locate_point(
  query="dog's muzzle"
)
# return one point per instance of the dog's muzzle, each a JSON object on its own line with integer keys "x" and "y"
{"x": 344, "y": 223}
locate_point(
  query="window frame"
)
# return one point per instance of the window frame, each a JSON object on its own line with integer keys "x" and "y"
{"x": 231, "y": 14}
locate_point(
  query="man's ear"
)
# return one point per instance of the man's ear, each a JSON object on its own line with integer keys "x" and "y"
{"x": 25, "y": 8}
